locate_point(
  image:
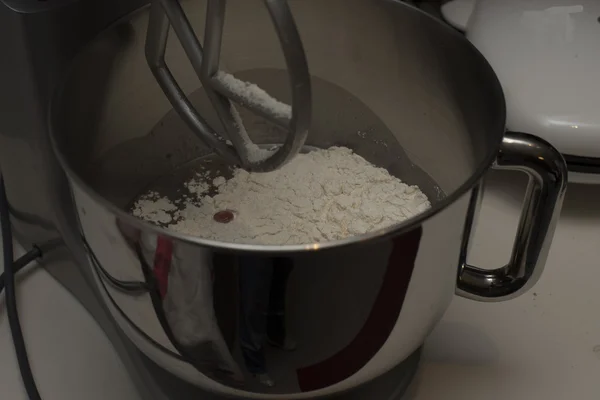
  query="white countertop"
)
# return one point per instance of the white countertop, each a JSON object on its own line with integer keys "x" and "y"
{"x": 543, "y": 345}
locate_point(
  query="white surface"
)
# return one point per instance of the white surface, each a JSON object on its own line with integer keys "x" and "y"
{"x": 539, "y": 346}
{"x": 71, "y": 357}
{"x": 458, "y": 12}
{"x": 545, "y": 53}
{"x": 588, "y": 179}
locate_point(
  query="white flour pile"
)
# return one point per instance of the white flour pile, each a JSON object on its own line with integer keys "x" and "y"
{"x": 155, "y": 209}
{"x": 319, "y": 196}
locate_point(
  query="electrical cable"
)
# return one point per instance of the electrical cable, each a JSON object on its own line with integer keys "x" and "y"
{"x": 22, "y": 262}
{"x": 10, "y": 268}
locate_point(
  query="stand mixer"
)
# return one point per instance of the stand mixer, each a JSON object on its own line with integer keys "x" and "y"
{"x": 100, "y": 103}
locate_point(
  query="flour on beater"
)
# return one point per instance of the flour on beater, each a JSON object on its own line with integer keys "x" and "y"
{"x": 254, "y": 95}
{"x": 319, "y": 196}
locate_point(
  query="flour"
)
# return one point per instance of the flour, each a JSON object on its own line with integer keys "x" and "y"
{"x": 254, "y": 95}
{"x": 197, "y": 186}
{"x": 320, "y": 196}
{"x": 153, "y": 208}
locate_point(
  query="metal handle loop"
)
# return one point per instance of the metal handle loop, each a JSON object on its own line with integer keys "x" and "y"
{"x": 547, "y": 173}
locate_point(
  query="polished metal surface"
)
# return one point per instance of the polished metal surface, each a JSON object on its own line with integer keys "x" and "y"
{"x": 205, "y": 61}
{"x": 400, "y": 88}
{"x": 547, "y": 174}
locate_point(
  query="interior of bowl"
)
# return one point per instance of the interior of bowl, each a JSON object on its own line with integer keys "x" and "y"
{"x": 170, "y": 155}
{"x": 399, "y": 88}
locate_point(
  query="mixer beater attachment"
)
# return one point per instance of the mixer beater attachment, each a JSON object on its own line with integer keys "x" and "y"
{"x": 224, "y": 90}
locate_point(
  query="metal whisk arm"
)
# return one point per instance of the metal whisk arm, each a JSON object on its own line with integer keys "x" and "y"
{"x": 225, "y": 90}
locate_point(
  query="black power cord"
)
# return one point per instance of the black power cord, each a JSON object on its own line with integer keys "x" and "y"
{"x": 22, "y": 262}
{"x": 7, "y": 279}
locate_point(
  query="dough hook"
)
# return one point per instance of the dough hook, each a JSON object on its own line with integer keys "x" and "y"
{"x": 224, "y": 90}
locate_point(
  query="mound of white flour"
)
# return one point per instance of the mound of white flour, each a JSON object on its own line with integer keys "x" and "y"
{"x": 319, "y": 196}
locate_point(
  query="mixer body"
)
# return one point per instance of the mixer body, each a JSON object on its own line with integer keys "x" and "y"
{"x": 400, "y": 89}
{"x": 396, "y": 86}
{"x": 39, "y": 40}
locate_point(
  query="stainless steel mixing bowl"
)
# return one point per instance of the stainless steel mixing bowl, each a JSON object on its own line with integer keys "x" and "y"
{"x": 399, "y": 87}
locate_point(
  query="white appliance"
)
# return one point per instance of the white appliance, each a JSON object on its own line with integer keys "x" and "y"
{"x": 546, "y": 54}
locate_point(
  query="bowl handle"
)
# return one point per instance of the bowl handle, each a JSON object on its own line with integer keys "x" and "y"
{"x": 547, "y": 173}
